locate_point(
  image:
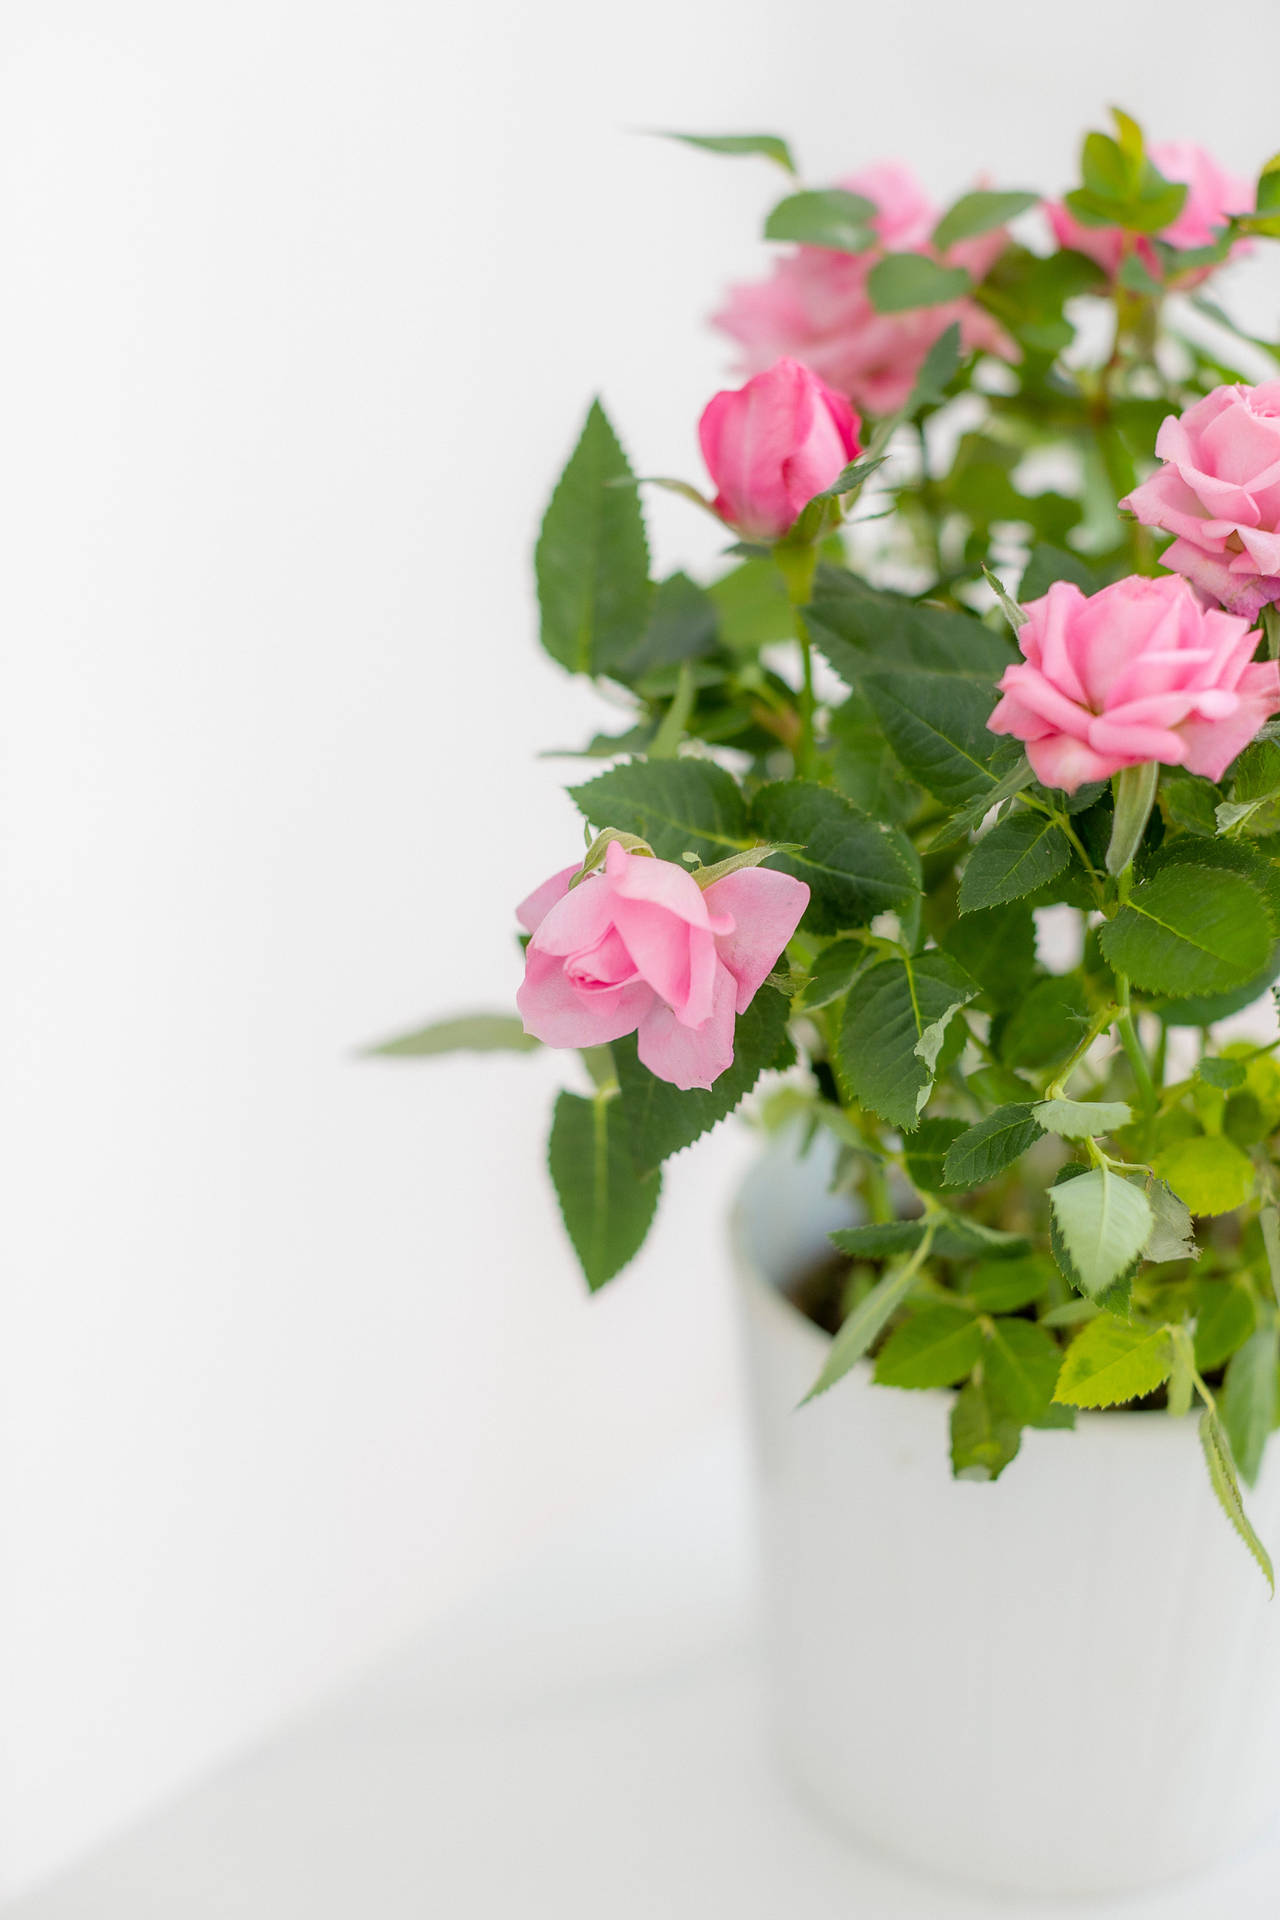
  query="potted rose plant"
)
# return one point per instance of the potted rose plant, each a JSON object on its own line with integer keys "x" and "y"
{"x": 948, "y": 820}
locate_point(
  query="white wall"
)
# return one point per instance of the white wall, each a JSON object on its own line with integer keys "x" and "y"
{"x": 302, "y": 304}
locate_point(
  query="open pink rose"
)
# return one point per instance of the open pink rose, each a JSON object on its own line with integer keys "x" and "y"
{"x": 1140, "y": 671}
{"x": 1219, "y": 492}
{"x": 815, "y": 307}
{"x": 640, "y": 948}
{"x": 771, "y": 445}
{"x": 1212, "y": 194}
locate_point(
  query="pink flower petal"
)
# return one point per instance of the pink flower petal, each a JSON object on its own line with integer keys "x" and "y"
{"x": 690, "y": 1056}
{"x": 766, "y": 908}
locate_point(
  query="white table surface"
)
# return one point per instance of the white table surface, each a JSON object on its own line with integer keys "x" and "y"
{"x": 588, "y": 1743}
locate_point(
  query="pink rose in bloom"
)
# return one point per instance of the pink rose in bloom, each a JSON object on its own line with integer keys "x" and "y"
{"x": 640, "y": 948}
{"x": 1212, "y": 194}
{"x": 1219, "y": 492}
{"x": 1140, "y": 671}
{"x": 771, "y": 445}
{"x": 815, "y": 307}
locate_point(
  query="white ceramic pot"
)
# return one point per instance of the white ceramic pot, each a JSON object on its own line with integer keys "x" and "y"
{"x": 1068, "y": 1681}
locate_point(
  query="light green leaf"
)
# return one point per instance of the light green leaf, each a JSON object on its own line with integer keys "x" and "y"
{"x": 1172, "y": 1237}
{"x": 659, "y": 1119}
{"x": 592, "y": 558}
{"x": 893, "y": 1029}
{"x": 678, "y": 806}
{"x": 934, "y": 1348}
{"x": 1208, "y": 1173}
{"x": 826, "y": 217}
{"x": 1082, "y": 1119}
{"x": 1225, "y": 1318}
{"x": 984, "y": 1436}
{"x": 979, "y": 212}
{"x": 854, "y": 867}
{"x": 606, "y": 1208}
{"x": 1190, "y": 930}
{"x": 984, "y": 1150}
{"x": 753, "y": 857}
{"x": 937, "y": 727}
{"x": 1019, "y": 854}
{"x": 1222, "y": 1477}
{"x": 768, "y": 146}
{"x": 1020, "y": 1363}
{"x": 900, "y": 282}
{"x": 1249, "y": 1397}
{"x": 1113, "y": 1361}
{"x": 864, "y": 1325}
{"x": 1182, "y": 1381}
{"x": 468, "y": 1033}
{"x": 1105, "y": 1222}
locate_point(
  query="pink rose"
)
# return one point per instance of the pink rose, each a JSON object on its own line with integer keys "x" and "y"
{"x": 640, "y": 948}
{"x": 1140, "y": 671}
{"x": 816, "y": 309}
{"x": 771, "y": 445}
{"x": 1219, "y": 492}
{"x": 1212, "y": 195}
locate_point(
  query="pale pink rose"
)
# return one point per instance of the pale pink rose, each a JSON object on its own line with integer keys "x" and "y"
{"x": 641, "y": 948}
{"x": 1212, "y": 194}
{"x": 1219, "y": 492}
{"x": 815, "y": 307}
{"x": 772, "y": 445}
{"x": 1140, "y": 671}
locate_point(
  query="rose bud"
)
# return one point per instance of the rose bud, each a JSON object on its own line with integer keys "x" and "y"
{"x": 772, "y": 445}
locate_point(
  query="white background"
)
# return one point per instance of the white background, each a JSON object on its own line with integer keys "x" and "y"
{"x": 302, "y": 306}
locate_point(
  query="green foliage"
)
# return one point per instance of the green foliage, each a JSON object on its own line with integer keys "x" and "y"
{"x": 1225, "y": 1316}
{"x": 1190, "y": 930}
{"x": 864, "y": 1325}
{"x": 592, "y": 558}
{"x": 997, "y": 948}
{"x": 466, "y": 1033}
{"x": 659, "y": 1119}
{"x": 936, "y": 1347}
{"x": 1222, "y": 1477}
{"x": 901, "y": 281}
{"x": 855, "y": 868}
{"x": 1019, "y": 855}
{"x": 937, "y": 727}
{"x": 607, "y": 1208}
{"x": 985, "y": 1437}
{"x": 859, "y": 628}
{"x": 1002, "y": 1286}
{"x": 1112, "y": 1361}
{"x": 1249, "y": 1397}
{"x": 1020, "y": 1365}
{"x": 1083, "y": 1119}
{"x": 925, "y": 1151}
{"x": 829, "y": 217}
{"x": 1046, "y": 1024}
{"x": 1105, "y": 1222}
{"x": 893, "y": 1030}
{"x": 1207, "y": 1172}
{"x": 768, "y": 145}
{"x": 984, "y": 1150}
{"x": 678, "y": 806}
{"x": 979, "y": 212}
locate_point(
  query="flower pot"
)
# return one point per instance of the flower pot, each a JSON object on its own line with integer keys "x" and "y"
{"x": 1065, "y": 1681}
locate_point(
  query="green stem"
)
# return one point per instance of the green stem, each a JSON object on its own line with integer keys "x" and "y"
{"x": 1134, "y": 1048}
{"x": 1135, "y": 792}
{"x": 1056, "y": 1090}
{"x": 805, "y": 746}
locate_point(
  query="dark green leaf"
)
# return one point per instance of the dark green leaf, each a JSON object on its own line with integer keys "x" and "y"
{"x": 934, "y": 1348}
{"x": 606, "y": 1208}
{"x": 955, "y": 1237}
{"x": 1048, "y": 564}
{"x": 468, "y": 1033}
{"x": 900, "y": 282}
{"x": 827, "y": 217}
{"x": 1002, "y": 1286}
{"x": 1020, "y": 853}
{"x": 854, "y": 867}
{"x": 592, "y": 558}
{"x": 660, "y": 1119}
{"x": 859, "y": 629}
{"x": 893, "y": 1029}
{"x": 997, "y": 948}
{"x": 925, "y": 1150}
{"x": 682, "y": 626}
{"x": 1190, "y": 930}
{"x": 937, "y": 727}
{"x": 834, "y": 971}
{"x": 1046, "y": 1024}
{"x": 984, "y": 1436}
{"x": 678, "y": 806}
{"x": 984, "y": 1150}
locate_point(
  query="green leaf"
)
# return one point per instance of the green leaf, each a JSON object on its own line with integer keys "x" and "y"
{"x": 1002, "y": 1286}
{"x": 937, "y": 727}
{"x": 854, "y": 867}
{"x": 934, "y": 1348}
{"x": 1249, "y": 1398}
{"x": 1105, "y": 1222}
{"x": 1225, "y": 1318}
{"x": 925, "y": 1152}
{"x": 972, "y": 815}
{"x": 900, "y": 282}
{"x": 1190, "y": 930}
{"x": 937, "y": 370}
{"x": 1223, "y": 1074}
{"x": 1209, "y": 1173}
{"x": 660, "y": 1119}
{"x": 1048, "y": 564}
{"x": 1113, "y": 1361}
{"x": 827, "y": 217}
{"x": 863, "y": 1327}
{"x": 1172, "y": 1237}
{"x": 979, "y": 212}
{"x": 592, "y": 558}
{"x": 1021, "y": 853}
{"x": 997, "y": 948}
{"x": 682, "y": 626}
{"x": 858, "y": 629}
{"x": 954, "y": 1237}
{"x": 1083, "y": 1119}
{"x": 1222, "y": 1477}
{"x": 767, "y": 145}
{"x": 1020, "y": 1364}
{"x": 834, "y": 972}
{"x": 984, "y": 1437}
{"x": 893, "y": 1029}
{"x": 752, "y": 605}
{"x": 678, "y": 806}
{"x": 1046, "y": 1024}
{"x": 984, "y": 1150}
{"x": 468, "y": 1033}
{"x": 606, "y": 1209}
